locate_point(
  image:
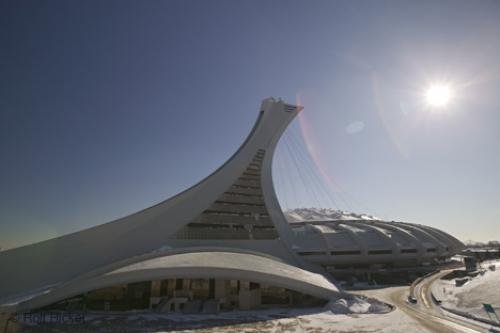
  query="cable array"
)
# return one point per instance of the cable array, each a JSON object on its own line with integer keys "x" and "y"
{"x": 300, "y": 182}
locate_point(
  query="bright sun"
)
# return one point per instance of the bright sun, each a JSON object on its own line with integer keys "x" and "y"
{"x": 438, "y": 95}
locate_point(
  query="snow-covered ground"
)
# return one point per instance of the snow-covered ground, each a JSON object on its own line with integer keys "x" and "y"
{"x": 484, "y": 288}
{"x": 294, "y": 320}
{"x": 343, "y": 319}
{"x": 323, "y": 214}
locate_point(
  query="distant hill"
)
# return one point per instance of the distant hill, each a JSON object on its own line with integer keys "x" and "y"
{"x": 323, "y": 214}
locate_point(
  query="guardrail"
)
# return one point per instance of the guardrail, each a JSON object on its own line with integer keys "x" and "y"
{"x": 471, "y": 316}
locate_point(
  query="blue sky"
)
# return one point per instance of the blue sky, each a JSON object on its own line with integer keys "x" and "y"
{"x": 109, "y": 107}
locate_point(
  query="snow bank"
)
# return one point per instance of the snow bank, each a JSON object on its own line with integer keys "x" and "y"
{"x": 470, "y": 296}
{"x": 357, "y": 305}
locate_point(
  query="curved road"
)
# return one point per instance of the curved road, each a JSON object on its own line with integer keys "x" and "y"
{"x": 430, "y": 315}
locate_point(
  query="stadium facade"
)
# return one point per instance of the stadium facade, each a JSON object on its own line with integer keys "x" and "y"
{"x": 223, "y": 243}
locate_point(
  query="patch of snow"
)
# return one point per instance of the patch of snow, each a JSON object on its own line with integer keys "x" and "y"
{"x": 357, "y": 305}
{"x": 344, "y": 306}
{"x": 266, "y": 321}
{"x": 323, "y": 214}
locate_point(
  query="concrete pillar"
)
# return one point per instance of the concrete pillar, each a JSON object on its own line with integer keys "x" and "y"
{"x": 220, "y": 289}
{"x": 8, "y": 324}
{"x": 170, "y": 287}
{"x": 155, "y": 288}
{"x": 155, "y": 293}
{"x": 186, "y": 284}
{"x": 249, "y": 298}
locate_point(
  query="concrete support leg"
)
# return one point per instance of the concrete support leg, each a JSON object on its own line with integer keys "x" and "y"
{"x": 220, "y": 289}
{"x": 8, "y": 324}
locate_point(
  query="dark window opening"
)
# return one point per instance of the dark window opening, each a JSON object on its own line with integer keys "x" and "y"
{"x": 178, "y": 284}
{"x": 343, "y": 253}
{"x": 211, "y": 288}
{"x": 409, "y": 251}
{"x": 312, "y": 253}
{"x": 380, "y": 252}
{"x": 239, "y": 203}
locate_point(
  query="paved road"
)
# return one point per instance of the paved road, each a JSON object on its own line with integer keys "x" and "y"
{"x": 428, "y": 314}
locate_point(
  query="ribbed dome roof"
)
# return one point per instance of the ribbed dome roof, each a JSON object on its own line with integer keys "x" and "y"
{"x": 372, "y": 241}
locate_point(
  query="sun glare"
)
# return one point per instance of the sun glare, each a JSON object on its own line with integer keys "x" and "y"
{"x": 438, "y": 95}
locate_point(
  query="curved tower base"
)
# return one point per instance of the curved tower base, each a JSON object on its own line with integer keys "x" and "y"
{"x": 233, "y": 213}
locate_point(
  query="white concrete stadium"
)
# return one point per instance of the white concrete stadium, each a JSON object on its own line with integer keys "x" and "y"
{"x": 223, "y": 243}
